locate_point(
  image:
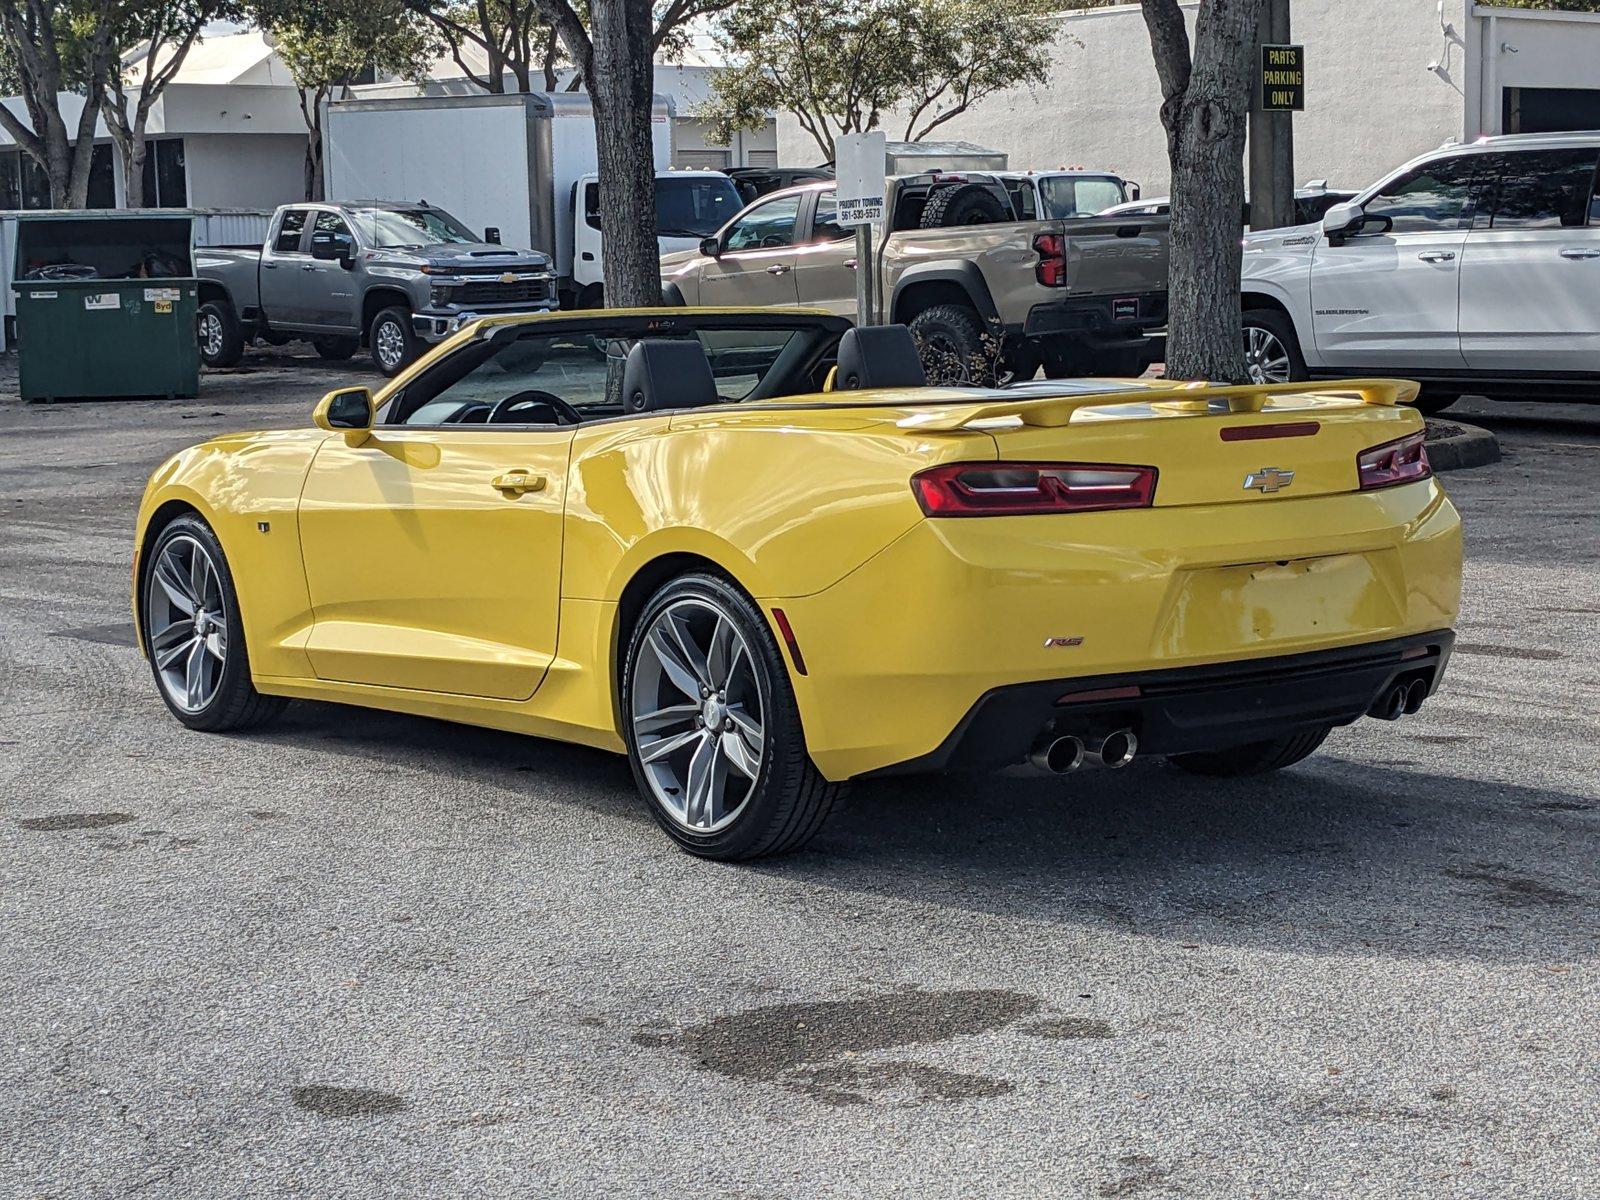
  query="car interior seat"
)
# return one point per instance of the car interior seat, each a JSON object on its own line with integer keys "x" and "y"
{"x": 662, "y": 373}
{"x": 879, "y": 356}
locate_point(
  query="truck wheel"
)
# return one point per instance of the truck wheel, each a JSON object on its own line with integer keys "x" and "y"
{"x": 954, "y": 345}
{"x": 1271, "y": 349}
{"x": 1255, "y": 758}
{"x": 336, "y": 349}
{"x": 966, "y": 204}
{"x": 220, "y": 336}
{"x": 393, "y": 344}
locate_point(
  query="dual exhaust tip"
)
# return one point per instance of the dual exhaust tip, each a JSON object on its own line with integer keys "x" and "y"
{"x": 1062, "y": 755}
{"x": 1403, "y": 699}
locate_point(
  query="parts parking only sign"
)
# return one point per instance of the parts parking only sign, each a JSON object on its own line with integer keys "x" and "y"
{"x": 1283, "y": 78}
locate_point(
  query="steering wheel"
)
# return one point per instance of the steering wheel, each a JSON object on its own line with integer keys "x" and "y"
{"x": 507, "y": 411}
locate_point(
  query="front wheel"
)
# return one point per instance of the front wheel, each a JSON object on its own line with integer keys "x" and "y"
{"x": 1255, "y": 758}
{"x": 712, "y": 727}
{"x": 1271, "y": 349}
{"x": 393, "y": 344}
{"x": 193, "y": 635}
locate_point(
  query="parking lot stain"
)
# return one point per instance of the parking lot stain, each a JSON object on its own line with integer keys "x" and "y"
{"x": 807, "y": 1046}
{"x": 910, "y": 1083}
{"x": 1512, "y": 891}
{"x": 61, "y": 821}
{"x": 1143, "y": 1172}
{"x": 1068, "y": 1028}
{"x": 119, "y": 633}
{"x": 1489, "y": 650}
{"x": 328, "y": 1101}
{"x": 1564, "y": 806}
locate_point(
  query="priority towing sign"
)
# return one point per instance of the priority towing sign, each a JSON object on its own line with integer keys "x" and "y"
{"x": 1283, "y": 78}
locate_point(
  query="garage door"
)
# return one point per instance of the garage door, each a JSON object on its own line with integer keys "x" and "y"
{"x": 701, "y": 160}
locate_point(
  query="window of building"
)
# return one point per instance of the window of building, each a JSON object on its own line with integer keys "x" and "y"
{"x": 1539, "y": 189}
{"x": 166, "y": 183}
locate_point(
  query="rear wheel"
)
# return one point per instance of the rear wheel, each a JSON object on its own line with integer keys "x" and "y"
{"x": 193, "y": 635}
{"x": 953, "y": 345}
{"x": 336, "y": 349}
{"x": 393, "y": 344}
{"x": 712, "y": 727}
{"x": 1255, "y": 758}
{"x": 1271, "y": 349}
{"x": 219, "y": 334}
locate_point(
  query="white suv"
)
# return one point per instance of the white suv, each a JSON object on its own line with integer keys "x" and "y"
{"x": 1473, "y": 269}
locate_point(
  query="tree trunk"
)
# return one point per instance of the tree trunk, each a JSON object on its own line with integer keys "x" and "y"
{"x": 311, "y": 110}
{"x": 621, "y": 83}
{"x": 133, "y": 156}
{"x": 1204, "y": 112}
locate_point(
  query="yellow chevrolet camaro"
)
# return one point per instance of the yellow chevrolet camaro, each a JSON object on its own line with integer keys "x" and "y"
{"x": 757, "y": 553}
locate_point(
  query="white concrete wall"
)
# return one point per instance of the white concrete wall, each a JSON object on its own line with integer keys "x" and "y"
{"x": 244, "y": 172}
{"x": 1524, "y": 48}
{"x": 1371, "y": 102}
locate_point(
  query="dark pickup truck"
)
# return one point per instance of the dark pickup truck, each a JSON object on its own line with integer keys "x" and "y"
{"x": 388, "y": 276}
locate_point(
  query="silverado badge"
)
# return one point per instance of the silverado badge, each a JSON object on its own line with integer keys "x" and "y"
{"x": 1268, "y": 480}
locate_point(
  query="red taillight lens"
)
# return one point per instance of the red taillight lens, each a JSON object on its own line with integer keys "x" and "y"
{"x": 1018, "y": 489}
{"x": 1404, "y": 460}
{"x": 1051, "y": 269}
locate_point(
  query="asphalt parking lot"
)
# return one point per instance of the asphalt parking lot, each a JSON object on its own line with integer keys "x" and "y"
{"x": 361, "y": 954}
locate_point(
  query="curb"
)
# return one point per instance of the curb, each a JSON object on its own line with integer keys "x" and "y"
{"x": 1453, "y": 446}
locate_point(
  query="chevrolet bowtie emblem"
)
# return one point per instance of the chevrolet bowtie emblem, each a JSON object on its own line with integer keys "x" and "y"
{"x": 508, "y": 277}
{"x": 1268, "y": 480}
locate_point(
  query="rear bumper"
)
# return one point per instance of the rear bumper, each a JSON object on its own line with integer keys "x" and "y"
{"x": 1098, "y": 319}
{"x": 1191, "y": 708}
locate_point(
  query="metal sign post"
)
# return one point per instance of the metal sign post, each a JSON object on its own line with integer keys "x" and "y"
{"x": 860, "y": 166}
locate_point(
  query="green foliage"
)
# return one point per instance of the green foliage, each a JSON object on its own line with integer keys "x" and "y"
{"x": 1592, "y": 6}
{"x": 843, "y": 67}
{"x": 326, "y": 43}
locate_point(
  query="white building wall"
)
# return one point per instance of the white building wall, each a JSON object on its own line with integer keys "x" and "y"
{"x": 1525, "y": 48}
{"x": 244, "y": 172}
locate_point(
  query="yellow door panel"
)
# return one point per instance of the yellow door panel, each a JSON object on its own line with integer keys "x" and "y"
{"x": 433, "y": 558}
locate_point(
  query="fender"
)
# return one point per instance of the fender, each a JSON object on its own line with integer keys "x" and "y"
{"x": 964, "y": 275}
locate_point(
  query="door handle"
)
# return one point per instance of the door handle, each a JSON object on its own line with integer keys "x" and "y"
{"x": 1434, "y": 256}
{"x": 310, "y": 268}
{"x": 778, "y": 269}
{"x": 515, "y": 483}
{"x": 851, "y": 263}
{"x": 1580, "y": 252}
{"x": 269, "y": 266}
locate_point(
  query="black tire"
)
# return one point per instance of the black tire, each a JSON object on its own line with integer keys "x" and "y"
{"x": 235, "y": 704}
{"x": 1117, "y": 364}
{"x": 219, "y": 334}
{"x": 1431, "y": 404}
{"x": 336, "y": 349}
{"x": 963, "y": 204}
{"x": 1275, "y": 326}
{"x": 593, "y": 296}
{"x": 1255, "y": 758}
{"x": 790, "y": 799}
{"x": 953, "y": 345}
{"x": 276, "y": 339}
{"x": 393, "y": 345}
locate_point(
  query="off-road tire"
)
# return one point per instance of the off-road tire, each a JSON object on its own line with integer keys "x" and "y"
{"x": 950, "y": 339}
{"x": 963, "y": 204}
{"x": 1255, "y": 758}
{"x": 227, "y": 348}
{"x": 791, "y": 798}
{"x": 335, "y": 349}
{"x": 392, "y": 320}
{"x": 236, "y": 705}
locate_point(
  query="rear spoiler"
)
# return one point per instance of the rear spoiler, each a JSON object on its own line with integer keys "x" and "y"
{"x": 1055, "y": 411}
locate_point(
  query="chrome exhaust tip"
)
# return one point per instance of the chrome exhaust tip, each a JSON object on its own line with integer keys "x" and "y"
{"x": 1057, "y": 755}
{"x": 1115, "y": 750}
{"x": 1390, "y": 706}
{"x": 1416, "y": 693}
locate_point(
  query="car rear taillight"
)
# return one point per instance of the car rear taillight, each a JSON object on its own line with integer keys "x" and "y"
{"x": 1404, "y": 460}
{"x": 1051, "y": 269}
{"x": 1018, "y": 489}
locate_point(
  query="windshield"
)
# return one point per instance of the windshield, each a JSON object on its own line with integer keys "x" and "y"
{"x": 694, "y": 205}
{"x": 1078, "y": 196}
{"x": 390, "y": 229}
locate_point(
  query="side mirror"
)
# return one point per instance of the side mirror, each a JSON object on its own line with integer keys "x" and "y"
{"x": 492, "y": 235}
{"x": 711, "y": 247}
{"x": 334, "y": 247}
{"x": 1342, "y": 220}
{"x": 1134, "y": 191}
{"x": 349, "y": 411}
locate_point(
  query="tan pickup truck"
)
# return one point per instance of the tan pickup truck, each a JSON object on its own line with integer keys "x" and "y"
{"x": 989, "y": 290}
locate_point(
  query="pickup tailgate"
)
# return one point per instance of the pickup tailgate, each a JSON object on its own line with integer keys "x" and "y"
{"x": 1108, "y": 256}
{"x": 1235, "y": 446}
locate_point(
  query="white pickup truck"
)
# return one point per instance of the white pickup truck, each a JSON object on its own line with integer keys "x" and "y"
{"x": 1474, "y": 269}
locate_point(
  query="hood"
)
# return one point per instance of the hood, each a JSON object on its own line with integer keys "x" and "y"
{"x": 1287, "y": 235}
{"x": 679, "y": 258}
{"x": 467, "y": 256}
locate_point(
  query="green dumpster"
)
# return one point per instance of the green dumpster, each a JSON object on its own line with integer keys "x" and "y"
{"x": 105, "y": 306}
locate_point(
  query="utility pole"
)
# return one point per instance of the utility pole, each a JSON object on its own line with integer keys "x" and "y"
{"x": 1271, "y": 134}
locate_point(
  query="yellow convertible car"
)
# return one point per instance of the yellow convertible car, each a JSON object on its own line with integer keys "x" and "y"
{"x": 757, "y": 553}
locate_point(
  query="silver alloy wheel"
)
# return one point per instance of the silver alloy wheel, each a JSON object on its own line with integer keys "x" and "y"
{"x": 698, "y": 724}
{"x": 211, "y": 334}
{"x": 391, "y": 344}
{"x": 188, "y": 622}
{"x": 1265, "y": 357}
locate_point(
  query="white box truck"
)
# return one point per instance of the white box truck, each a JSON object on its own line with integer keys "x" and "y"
{"x": 520, "y": 168}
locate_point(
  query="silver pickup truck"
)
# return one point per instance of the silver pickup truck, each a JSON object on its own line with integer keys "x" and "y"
{"x": 387, "y": 276}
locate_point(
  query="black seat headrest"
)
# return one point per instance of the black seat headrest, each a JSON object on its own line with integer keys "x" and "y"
{"x": 879, "y": 356}
{"x": 667, "y": 373}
